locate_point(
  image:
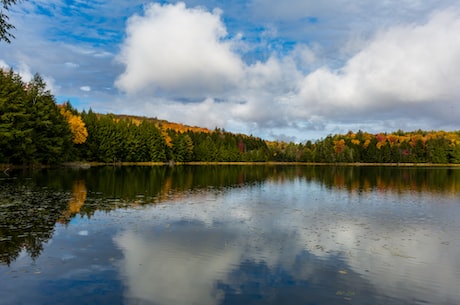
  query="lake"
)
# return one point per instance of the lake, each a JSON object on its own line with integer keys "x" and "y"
{"x": 252, "y": 234}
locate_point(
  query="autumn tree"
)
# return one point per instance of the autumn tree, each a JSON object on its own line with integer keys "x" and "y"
{"x": 76, "y": 124}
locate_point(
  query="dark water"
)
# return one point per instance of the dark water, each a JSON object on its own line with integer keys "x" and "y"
{"x": 230, "y": 235}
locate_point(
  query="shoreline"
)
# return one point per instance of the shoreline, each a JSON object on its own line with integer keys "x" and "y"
{"x": 86, "y": 165}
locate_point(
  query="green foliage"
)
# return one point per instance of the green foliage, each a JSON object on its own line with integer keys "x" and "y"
{"x": 398, "y": 147}
{"x": 182, "y": 147}
{"x": 222, "y": 146}
{"x": 111, "y": 139}
{"x": 32, "y": 130}
{"x": 5, "y": 26}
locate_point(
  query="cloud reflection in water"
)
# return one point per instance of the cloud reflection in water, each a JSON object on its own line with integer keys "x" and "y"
{"x": 313, "y": 244}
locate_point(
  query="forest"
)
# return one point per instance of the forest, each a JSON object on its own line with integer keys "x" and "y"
{"x": 35, "y": 130}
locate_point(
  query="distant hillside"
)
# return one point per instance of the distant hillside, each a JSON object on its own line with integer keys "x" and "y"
{"x": 163, "y": 124}
{"x": 34, "y": 130}
{"x": 191, "y": 143}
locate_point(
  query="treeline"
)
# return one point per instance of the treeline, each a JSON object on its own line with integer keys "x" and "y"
{"x": 398, "y": 147}
{"x": 132, "y": 139}
{"x": 33, "y": 129}
{"x": 114, "y": 138}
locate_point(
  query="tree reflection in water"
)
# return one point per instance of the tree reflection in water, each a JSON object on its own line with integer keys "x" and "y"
{"x": 239, "y": 234}
{"x": 32, "y": 202}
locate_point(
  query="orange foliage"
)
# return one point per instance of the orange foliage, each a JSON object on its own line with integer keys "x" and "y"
{"x": 395, "y": 139}
{"x": 381, "y": 137}
{"x": 339, "y": 146}
{"x": 76, "y": 202}
{"x": 167, "y": 137}
{"x": 77, "y": 126}
{"x": 181, "y": 127}
{"x": 163, "y": 125}
{"x": 366, "y": 143}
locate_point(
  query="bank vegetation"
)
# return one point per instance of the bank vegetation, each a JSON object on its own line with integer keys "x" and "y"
{"x": 35, "y": 130}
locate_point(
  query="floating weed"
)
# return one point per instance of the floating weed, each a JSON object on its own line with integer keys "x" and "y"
{"x": 345, "y": 293}
{"x": 27, "y": 218}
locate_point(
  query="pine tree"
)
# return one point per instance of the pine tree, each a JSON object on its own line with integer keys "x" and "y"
{"x": 5, "y": 26}
{"x": 32, "y": 130}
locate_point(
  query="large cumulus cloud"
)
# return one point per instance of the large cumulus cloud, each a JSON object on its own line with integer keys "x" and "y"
{"x": 403, "y": 76}
{"x": 403, "y": 67}
{"x": 173, "y": 48}
{"x": 287, "y": 70}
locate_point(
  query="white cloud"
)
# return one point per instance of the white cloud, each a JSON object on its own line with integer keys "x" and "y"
{"x": 402, "y": 77}
{"x": 24, "y": 71}
{"x": 71, "y": 65}
{"x": 150, "y": 271}
{"x": 178, "y": 49}
{"x": 298, "y": 68}
{"x": 381, "y": 250}
{"x": 4, "y": 65}
{"x": 207, "y": 113}
{"x": 51, "y": 84}
{"x": 401, "y": 69}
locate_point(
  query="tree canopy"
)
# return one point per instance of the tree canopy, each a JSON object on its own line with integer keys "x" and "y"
{"x": 33, "y": 129}
{"x": 5, "y": 25}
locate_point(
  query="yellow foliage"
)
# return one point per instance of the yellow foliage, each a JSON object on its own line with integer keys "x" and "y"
{"x": 366, "y": 143}
{"x": 339, "y": 146}
{"x": 78, "y": 198}
{"x": 351, "y": 135}
{"x": 403, "y": 139}
{"x": 136, "y": 121}
{"x": 168, "y": 139}
{"x": 392, "y": 139}
{"x": 76, "y": 202}
{"x": 77, "y": 126}
{"x": 165, "y": 125}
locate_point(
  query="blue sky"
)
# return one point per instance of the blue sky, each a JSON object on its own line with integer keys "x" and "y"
{"x": 291, "y": 70}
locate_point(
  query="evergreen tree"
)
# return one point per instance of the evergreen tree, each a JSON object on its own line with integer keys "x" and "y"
{"x": 32, "y": 130}
{"x": 88, "y": 150}
{"x": 5, "y": 26}
{"x": 51, "y": 136}
{"x": 15, "y": 127}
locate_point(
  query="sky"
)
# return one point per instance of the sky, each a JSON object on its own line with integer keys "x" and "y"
{"x": 291, "y": 70}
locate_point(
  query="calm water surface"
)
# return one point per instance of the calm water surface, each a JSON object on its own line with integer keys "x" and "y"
{"x": 230, "y": 235}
